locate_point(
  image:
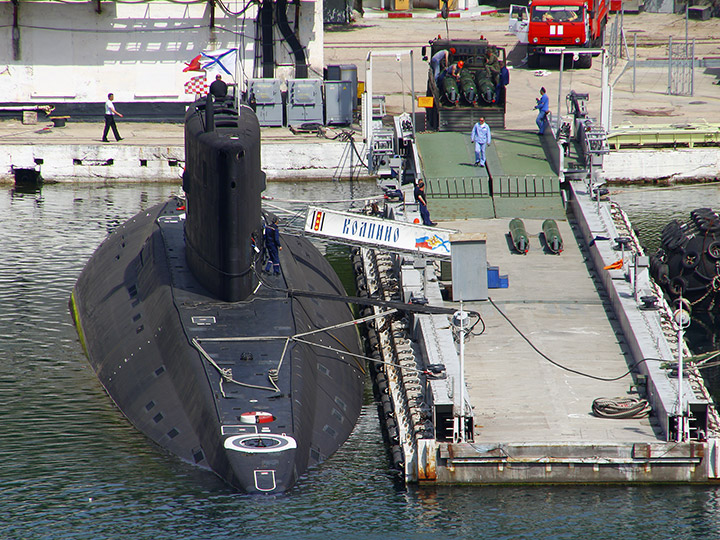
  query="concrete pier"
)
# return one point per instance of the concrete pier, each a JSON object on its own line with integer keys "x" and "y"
{"x": 568, "y": 329}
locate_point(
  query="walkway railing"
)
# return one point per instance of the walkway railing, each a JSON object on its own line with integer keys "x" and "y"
{"x": 525, "y": 186}
{"x": 463, "y": 187}
{"x": 500, "y": 186}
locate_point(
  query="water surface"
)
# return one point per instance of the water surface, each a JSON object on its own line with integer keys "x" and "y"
{"x": 72, "y": 467}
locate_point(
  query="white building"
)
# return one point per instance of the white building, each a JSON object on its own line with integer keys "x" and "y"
{"x": 69, "y": 55}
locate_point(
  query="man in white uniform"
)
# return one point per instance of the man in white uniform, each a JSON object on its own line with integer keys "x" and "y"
{"x": 110, "y": 113}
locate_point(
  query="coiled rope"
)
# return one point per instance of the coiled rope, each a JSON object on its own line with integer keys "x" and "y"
{"x": 621, "y": 407}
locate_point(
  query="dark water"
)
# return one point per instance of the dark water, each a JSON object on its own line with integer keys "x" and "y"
{"x": 71, "y": 466}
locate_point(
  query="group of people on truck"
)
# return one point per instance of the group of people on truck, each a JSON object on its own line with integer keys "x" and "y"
{"x": 495, "y": 69}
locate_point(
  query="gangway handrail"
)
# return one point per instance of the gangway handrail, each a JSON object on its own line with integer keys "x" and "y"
{"x": 468, "y": 187}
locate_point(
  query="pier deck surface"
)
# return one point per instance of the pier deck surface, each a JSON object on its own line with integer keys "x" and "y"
{"x": 517, "y": 395}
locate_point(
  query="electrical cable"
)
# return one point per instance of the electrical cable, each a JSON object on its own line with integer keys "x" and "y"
{"x": 227, "y": 10}
{"x": 570, "y": 370}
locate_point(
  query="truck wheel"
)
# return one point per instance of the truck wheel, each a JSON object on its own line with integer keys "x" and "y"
{"x": 534, "y": 61}
{"x": 584, "y": 62}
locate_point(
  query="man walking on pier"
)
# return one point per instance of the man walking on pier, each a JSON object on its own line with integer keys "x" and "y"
{"x": 110, "y": 113}
{"x": 481, "y": 137}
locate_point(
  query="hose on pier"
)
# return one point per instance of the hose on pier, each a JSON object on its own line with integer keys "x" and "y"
{"x": 559, "y": 365}
{"x": 621, "y": 407}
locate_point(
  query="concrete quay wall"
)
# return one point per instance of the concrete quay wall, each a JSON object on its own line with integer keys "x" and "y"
{"x": 670, "y": 164}
{"x": 124, "y": 162}
{"x": 89, "y": 162}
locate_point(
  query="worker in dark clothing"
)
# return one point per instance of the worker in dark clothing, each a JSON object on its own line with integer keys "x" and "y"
{"x": 421, "y": 201}
{"x": 218, "y": 88}
{"x": 440, "y": 61}
{"x": 503, "y": 81}
{"x": 272, "y": 246}
{"x": 492, "y": 65}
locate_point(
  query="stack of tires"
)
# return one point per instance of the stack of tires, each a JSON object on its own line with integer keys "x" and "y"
{"x": 687, "y": 264}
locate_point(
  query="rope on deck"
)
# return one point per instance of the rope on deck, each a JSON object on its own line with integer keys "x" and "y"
{"x": 621, "y": 407}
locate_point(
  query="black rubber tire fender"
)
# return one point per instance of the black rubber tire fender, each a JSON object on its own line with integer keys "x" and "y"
{"x": 675, "y": 241}
{"x": 713, "y": 250}
{"x": 678, "y": 285}
{"x": 690, "y": 259}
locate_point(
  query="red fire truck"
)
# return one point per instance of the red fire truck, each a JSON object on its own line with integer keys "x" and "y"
{"x": 548, "y": 25}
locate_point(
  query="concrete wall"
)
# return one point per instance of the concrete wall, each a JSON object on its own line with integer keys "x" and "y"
{"x": 70, "y": 53}
{"x": 670, "y": 164}
{"x": 92, "y": 163}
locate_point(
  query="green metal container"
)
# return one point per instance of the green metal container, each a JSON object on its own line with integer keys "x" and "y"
{"x": 553, "y": 240}
{"x": 519, "y": 236}
{"x": 450, "y": 89}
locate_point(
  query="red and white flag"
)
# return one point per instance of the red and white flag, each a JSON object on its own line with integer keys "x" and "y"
{"x": 196, "y": 85}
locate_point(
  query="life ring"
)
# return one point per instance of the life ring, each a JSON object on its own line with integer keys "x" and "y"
{"x": 256, "y": 417}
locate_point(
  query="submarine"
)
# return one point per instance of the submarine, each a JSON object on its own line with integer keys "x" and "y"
{"x": 253, "y": 376}
{"x": 687, "y": 263}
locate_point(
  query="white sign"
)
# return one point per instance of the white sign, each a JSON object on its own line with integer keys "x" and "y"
{"x": 377, "y": 232}
{"x": 554, "y": 50}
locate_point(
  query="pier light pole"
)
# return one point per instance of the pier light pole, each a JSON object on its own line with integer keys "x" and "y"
{"x": 682, "y": 319}
{"x": 462, "y": 373}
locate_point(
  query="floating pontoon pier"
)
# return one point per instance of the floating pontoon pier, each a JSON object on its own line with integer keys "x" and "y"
{"x": 511, "y": 388}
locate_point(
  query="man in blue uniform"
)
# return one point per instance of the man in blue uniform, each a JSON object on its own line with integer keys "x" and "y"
{"x": 481, "y": 137}
{"x": 422, "y": 204}
{"x": 543, "y": 107}
{"x": 272, "y": 246}
{"x": 503, "y": 81}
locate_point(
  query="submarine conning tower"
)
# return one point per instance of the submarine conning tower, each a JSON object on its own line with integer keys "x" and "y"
{"x": 223, "y": 183}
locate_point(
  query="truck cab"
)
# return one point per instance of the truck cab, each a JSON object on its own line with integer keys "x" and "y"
{"x": 545, "y": 25}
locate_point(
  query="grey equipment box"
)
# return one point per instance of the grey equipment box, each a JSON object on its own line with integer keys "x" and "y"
{"x": 469, "y": 263}
{"x": 343, "y": 72}
{"x": 304, "y": 102}
{"x": 338, "y": 103}
{"x": 266, "y": 97}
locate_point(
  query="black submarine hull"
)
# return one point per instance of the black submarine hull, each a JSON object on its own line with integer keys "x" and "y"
{"x": 256, "y": 387}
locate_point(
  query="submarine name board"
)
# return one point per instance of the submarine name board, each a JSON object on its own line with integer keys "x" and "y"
{"x": 376, "y": 232}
